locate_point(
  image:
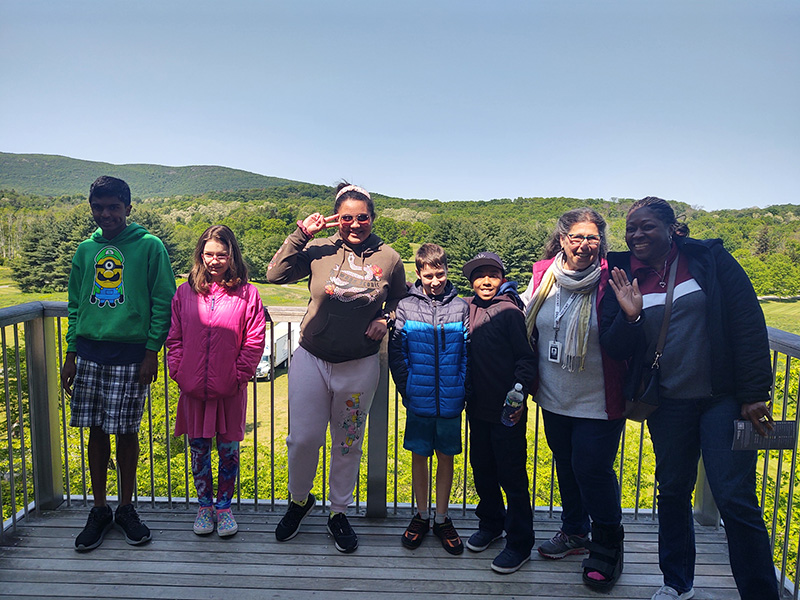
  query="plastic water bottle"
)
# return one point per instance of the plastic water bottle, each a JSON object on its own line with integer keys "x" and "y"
{"x": 514, "y": 400}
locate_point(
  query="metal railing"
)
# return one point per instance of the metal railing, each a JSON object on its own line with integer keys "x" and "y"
{"x": 45, "y": 459}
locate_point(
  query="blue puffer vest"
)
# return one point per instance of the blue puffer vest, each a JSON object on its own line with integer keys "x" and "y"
{"x": 428, "y": 352}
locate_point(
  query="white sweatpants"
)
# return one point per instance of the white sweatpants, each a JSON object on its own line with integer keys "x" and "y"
{"x": 320, "y": 393}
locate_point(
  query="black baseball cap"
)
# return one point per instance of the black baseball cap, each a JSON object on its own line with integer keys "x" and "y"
{"x": 483, "y": 259}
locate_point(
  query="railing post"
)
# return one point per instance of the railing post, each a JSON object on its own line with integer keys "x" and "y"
{"x": 705, "y": 509}
{"x": 40, "y": 352}
{"x": 378, "y": 441}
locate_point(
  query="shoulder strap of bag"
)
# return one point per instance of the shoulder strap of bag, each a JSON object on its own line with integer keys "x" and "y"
{"x": 662, "y": 336}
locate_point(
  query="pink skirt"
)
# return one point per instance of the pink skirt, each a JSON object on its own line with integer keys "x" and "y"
{"x": 206, "y": 418}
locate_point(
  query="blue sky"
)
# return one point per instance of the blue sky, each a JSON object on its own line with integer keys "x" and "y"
{"x": 689, "y": 100}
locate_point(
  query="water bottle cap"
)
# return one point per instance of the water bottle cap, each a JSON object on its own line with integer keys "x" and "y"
{"x": 518, "y": 387}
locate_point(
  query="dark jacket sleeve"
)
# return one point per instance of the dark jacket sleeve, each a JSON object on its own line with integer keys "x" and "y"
{"x": 746, "y": 329}
{"x": 398, "y": 351}
{"x": 525, "y": 366}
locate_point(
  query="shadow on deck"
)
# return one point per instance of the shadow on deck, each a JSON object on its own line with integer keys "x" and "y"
{"x": 40, "y": 561}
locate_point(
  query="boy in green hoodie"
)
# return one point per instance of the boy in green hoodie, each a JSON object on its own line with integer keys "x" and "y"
{"x": 120, "y": 289}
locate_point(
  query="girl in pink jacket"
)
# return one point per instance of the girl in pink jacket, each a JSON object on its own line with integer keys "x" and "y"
{"x": 214, "y": 344}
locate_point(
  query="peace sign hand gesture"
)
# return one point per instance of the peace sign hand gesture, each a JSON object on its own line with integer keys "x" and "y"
{"x": 314, "y": 223}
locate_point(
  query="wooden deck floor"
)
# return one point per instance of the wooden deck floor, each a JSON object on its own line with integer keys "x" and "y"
{"x": 40, "y": 562}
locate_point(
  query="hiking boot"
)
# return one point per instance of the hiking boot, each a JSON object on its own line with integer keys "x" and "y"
{"x": 449, "y": 536}
{"x": 129, "y": 523}
{"x": 509, "y": 560}
{"x": 99, "y": 522}
{"x": 415, "y": 531}
{"x": 204, "y": 522}
{"x": 482, "y": 539}
{"x": 226, "y": 524}
{"x": 343, "y": 535}
{"x": 290, "y": 523}
{"x": 561, "y": 545}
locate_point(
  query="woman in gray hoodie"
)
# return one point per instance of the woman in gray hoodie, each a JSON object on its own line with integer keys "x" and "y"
{"x": 355, "y": 283}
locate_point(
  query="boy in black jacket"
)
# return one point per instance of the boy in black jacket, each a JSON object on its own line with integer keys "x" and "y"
{"x": 500, "y": 357}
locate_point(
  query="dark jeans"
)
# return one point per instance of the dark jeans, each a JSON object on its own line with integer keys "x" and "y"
{"x": 584, "y": 451}
{"x": 681, "y": 430}
{"x": 498, "y": 455}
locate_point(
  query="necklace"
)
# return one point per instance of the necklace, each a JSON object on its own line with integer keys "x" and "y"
{"x": 662, "y": 276}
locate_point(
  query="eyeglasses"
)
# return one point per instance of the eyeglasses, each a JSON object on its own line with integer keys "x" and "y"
{"x": 221, "y": 257}
{"x": 361, "y": 218}
{"x": 577, "y": 239}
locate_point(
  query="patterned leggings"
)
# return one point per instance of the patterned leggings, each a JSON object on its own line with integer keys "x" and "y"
{"x": 201, "y": 469}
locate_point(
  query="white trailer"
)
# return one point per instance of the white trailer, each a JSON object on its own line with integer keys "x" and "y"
{"x": 281, "y": 353}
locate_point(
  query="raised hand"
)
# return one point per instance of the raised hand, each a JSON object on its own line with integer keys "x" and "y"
{"x": 628, "y": 295}
{"x": 314, "y": 223}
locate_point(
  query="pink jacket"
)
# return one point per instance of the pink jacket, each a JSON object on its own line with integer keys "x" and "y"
{"x": 613, "y": 370}
{"x": 214, "y": 345}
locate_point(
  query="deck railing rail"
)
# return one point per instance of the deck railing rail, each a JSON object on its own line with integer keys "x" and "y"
{"x": 43, "y": 461}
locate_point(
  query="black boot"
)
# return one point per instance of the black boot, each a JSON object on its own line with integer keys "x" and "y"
{"x": 605, "y": 556}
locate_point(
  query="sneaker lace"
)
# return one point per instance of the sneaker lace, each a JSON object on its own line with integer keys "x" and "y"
{"x": 417, "y": 526}
{"x": 448, "y": 530}
{"x": 340, "y": 525}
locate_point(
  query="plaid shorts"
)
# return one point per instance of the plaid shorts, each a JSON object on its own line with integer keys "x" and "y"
{"x": 107, "y": 396}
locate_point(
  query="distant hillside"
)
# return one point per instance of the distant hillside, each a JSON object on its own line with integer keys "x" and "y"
{"x": 51, "y": 175}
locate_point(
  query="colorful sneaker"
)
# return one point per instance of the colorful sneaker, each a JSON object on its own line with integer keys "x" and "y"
{"x": 482, "y": 539}
{"x": 668, "y": 593}
{"x": 100, "y": 520}
{"x": 204, "y": 522}
{"x": 290, "y": 523}
{"x": 509, "y": 560}
{"x": 415, "y": 531}
{"x": 343, "y": 535}
{"x": 449, "y": 536}
{"x": 226, "y": 524}
{"x": 561, "y": 545}
{"x": 129, "y": 523}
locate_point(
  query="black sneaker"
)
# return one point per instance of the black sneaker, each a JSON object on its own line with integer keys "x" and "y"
{"x": 509, "y": 560}
{"x": 128, "y": 522}
{"x": 416, "y": 530}
{"x": 290, "y": 523}
{"x": 99, "y": 522}
{"x": 482, "y": 539}
{"x": 344, "y": 537}
{"x": 449, "y": 536}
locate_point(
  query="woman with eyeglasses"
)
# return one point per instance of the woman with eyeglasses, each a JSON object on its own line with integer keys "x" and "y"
{"x": 215, "y": 341}
{"x": 580, "y": 393}
{"x": 714, "y": 370}
{"x": 355, "y": 282}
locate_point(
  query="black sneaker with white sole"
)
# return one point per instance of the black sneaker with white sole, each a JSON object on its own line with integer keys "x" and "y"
{"x": 128, "y": 522}
{"x": 290, "y": 523}
{"x": 100, "y": 520}
{"x": 344, "y": 537}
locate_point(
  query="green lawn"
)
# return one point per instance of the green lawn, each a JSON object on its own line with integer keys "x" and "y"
{"x": 782, "y": 314}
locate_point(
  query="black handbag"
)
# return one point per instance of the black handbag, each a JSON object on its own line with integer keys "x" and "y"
{"x": 645, "y": 400}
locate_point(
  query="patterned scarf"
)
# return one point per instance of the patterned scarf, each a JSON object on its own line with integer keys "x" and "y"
{"x": 576, "y": 318}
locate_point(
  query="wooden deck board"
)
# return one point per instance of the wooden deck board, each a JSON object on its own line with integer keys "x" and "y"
{"x": 40, "y": 562}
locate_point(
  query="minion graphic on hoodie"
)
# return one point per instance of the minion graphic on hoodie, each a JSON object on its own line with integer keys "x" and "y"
{"x": 108, "y": 285}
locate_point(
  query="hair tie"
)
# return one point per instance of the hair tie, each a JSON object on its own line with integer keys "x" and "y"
{"x": 353, "y": 188}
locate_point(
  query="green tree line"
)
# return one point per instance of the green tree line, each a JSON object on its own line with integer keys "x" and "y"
{"x": 38, "y": 235}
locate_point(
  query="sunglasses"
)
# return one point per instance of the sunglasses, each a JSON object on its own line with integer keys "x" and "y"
{"x": 361, "y": 218}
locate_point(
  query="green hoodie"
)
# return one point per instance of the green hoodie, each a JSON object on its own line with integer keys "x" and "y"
{"x": 121, "y": 289}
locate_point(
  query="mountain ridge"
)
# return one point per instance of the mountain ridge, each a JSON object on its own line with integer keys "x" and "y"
{"x": 67, "y": 176}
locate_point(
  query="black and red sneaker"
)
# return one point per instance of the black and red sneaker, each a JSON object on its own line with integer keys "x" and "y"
{"x": 449, "y": 536}
{"x": 416, "y": 530}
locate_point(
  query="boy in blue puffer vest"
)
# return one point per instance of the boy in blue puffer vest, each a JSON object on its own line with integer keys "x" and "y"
{"x": 428, "y": 359}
